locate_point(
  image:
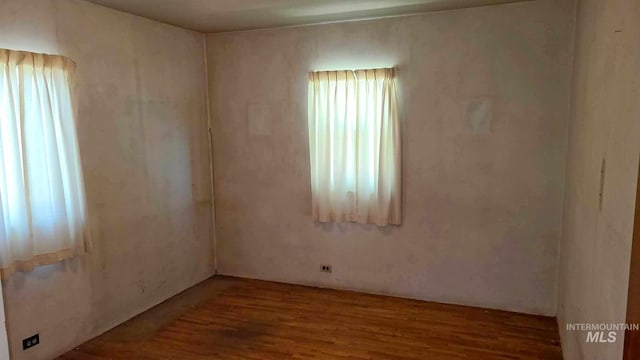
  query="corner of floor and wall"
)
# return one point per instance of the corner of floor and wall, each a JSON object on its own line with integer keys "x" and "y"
{"x": 508, "y": 220}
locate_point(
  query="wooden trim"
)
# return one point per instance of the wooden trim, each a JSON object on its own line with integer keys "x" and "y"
{"x": 632, "y": 338}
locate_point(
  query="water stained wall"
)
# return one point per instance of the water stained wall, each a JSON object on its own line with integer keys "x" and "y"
{"x": 484, "y": 110}
{"x": 602, "y": 175}
{"x": 143, "y": 140}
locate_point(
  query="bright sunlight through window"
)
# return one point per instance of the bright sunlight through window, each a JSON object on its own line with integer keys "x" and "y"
{"x": 42, "y": 201}
{"x": 354, "y": 146}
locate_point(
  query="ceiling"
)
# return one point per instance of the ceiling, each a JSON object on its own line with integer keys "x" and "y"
{"x": 231, "y": 15}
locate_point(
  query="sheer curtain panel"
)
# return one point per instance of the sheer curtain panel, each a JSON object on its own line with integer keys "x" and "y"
{"x": 43, "y": 217}
{"x": 354, "y": 147}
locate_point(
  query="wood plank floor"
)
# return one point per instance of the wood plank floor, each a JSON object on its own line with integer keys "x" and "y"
{"x": 231, "y": 318}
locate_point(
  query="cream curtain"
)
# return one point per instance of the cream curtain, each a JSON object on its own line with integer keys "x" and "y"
{"x": 43, "y": 217}
{"x": 354, "y": 147}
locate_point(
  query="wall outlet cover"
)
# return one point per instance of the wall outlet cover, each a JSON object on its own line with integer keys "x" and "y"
{"x": 31, "y": 341}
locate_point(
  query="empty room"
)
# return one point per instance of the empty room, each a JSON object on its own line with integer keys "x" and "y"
{"x": 320, "y": 179}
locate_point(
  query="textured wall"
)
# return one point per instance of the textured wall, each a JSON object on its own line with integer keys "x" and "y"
{"x": 596, "y": 244}
{"x": 482, "y": 211}
{"x": 143, "y": 142}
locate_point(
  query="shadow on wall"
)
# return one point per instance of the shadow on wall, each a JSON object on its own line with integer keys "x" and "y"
{"x": 44, "y": 273}
{"x": 343, "y": 228}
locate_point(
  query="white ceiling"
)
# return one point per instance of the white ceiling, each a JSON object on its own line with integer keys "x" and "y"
{"x": 229, "y": 15}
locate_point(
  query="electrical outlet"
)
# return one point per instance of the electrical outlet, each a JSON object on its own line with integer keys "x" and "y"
{"x": 325, "y": 268}
{"x": 31, "y": 341}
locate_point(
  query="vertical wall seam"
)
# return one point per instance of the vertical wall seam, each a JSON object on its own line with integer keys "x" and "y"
{"x": 570, "y": 114}
{"x": 210, "y": 142}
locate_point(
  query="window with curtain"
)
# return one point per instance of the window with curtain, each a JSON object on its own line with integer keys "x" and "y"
{"x": 43, "y": 217}
{"x": 354, "y": 147}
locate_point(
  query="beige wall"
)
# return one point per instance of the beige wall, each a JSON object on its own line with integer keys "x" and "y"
{"x": 142, "y": 133}
{"x": 596, "y": 244}
{"x": 4, "y": 340}
{"x": 482, "y": 212}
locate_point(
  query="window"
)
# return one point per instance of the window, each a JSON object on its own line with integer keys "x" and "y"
{"x": 42, "y": 201}
{"x": 354, "y": 146}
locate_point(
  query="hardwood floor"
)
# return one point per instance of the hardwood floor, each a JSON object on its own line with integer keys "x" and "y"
{"x": 231, "y": 318}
